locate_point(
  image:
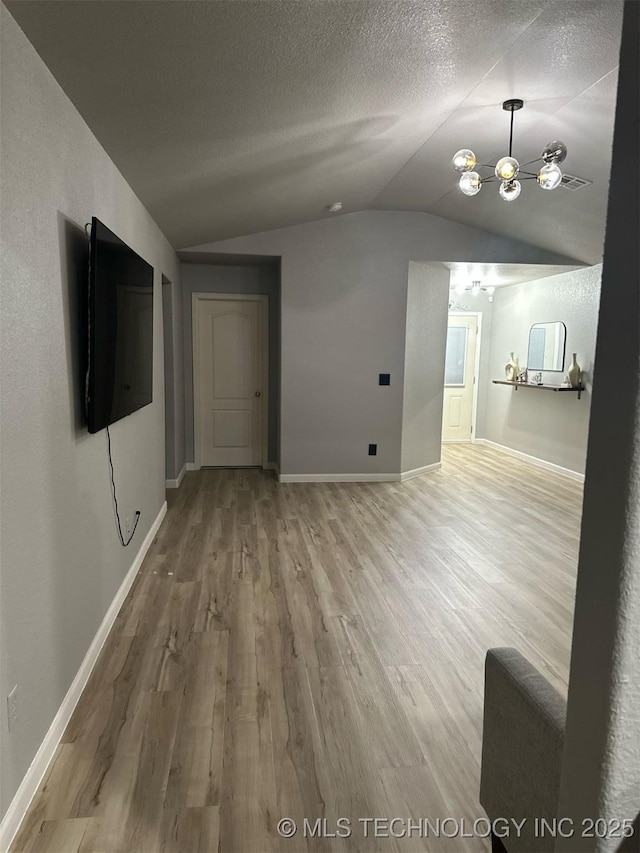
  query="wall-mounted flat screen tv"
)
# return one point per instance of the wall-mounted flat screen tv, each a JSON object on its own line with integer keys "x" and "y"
{"x": 120, "y": 362}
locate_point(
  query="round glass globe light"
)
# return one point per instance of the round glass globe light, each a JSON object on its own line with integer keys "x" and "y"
{"x": 554, "y": 152}
{"x": 470, "y": 183}
{"x": 549, "y": 177}
{"x": 507, "y": 168}
{"x": 510, "y": 190}
{"x": 464, "y": 160}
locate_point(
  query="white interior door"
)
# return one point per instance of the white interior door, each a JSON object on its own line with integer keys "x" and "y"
{"x": 229, "y": 409}
{"x": 460, "y": 362}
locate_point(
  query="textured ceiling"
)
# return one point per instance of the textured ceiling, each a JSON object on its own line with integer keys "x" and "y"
{"x": 229, "y": 118}
{"x": 500, "y": 275}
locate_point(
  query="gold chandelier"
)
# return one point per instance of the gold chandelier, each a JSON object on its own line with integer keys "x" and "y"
{"x": 507, "y": 170}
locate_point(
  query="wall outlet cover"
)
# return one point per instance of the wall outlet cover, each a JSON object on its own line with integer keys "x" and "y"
{"x": 373, "y": 450}
{"x": 384, "y": 379}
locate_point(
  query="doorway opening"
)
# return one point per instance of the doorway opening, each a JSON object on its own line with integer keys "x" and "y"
{"x": 230, "y": 380}
{"x": 462, "y": 362}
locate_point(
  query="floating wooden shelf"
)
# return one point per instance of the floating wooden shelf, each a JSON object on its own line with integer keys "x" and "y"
{"x": 515, "y": 385}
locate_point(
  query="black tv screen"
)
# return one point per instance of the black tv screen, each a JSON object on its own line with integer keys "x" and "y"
{"x": 120, "y": 363}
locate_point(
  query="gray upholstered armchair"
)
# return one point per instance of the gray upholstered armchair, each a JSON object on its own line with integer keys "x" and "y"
{"x": 522, "y": 741}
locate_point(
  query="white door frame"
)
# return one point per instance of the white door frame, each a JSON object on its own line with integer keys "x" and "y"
{"x": 263, "y": 326}
{"x": 476, "y": 372}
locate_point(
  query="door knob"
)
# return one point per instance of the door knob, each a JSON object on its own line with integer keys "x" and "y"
{"x": 257, "y": 394}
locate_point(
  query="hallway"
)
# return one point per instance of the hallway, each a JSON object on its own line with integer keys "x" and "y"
{"x": 313, "y": 651}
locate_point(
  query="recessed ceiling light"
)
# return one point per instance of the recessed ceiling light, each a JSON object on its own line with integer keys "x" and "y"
{"x": 335, "y": 207}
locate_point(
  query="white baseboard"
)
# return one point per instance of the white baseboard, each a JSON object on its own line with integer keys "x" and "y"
{"x": 175, "y": 484}
{"x": 417, "y": 472}
{"x": 191, "y": 466}
{"x": 339, "y": 478}
{"x": 38, "y": 767}
{"x": 533, "y": 460}
{"x": 357, "y": 478}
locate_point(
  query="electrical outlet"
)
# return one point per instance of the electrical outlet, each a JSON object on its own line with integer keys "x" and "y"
{"x": 373, "y": 450}
{"x": 12, "y": 708}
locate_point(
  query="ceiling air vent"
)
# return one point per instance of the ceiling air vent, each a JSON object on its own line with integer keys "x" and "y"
{"x": 571, "y": 182}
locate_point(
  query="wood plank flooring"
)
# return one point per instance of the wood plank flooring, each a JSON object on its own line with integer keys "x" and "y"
{"x": 313, "y": 651}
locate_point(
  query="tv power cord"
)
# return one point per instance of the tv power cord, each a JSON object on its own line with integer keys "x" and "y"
{"x": 115, "y": 500}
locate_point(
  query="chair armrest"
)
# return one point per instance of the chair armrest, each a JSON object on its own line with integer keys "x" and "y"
{"x": 522, "y": 742}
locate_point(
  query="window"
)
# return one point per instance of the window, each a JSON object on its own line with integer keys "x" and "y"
{"x": 455, "y": 358}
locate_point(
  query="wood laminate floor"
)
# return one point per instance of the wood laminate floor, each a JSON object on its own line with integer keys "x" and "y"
{"x": 313, "y": 651}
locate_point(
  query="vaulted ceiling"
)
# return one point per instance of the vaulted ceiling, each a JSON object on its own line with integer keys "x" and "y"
{"x": 230, "y": 117}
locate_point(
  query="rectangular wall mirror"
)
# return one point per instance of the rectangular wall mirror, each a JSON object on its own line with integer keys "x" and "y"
{"x": 546, "y": 346}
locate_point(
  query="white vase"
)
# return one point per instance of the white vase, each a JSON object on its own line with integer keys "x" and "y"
{"x": 575, "y": 372}
{"x": 511, "y": 369}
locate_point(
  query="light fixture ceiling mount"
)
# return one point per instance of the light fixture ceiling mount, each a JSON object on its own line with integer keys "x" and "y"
{"x": 508, "y": 170}
{"x": 475, "y": 288}
{"x": 513, "y": 104}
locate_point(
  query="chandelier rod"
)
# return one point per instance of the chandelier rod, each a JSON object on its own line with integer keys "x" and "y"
{"x": 511, "y": 133}
{"x": 522, "y": 171}
{"x": 530, "y": 162}
{"x": 526, "y": 177}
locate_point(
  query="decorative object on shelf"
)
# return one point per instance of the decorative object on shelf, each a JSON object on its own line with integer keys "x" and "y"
{"x": 536, "y": 378}
{"x": 574, "y": 373}
{"x": 507, "y": 169}
{"x": 522, "y": 376}
{"x": 511, "y": 369}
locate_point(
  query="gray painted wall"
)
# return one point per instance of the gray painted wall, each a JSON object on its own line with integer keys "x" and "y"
{"x": 173, "y": 378}
{"x": 219, "y": 278}
{"x": 601, "y": 760}
{"x": 169, "y": 378}
{"x": 344, "y": 301}
{"x": 178, "y": 382}
{"x": 425, "y": 343}
{"x": 61, "y": 559}
{"x": 549, "y": 426}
